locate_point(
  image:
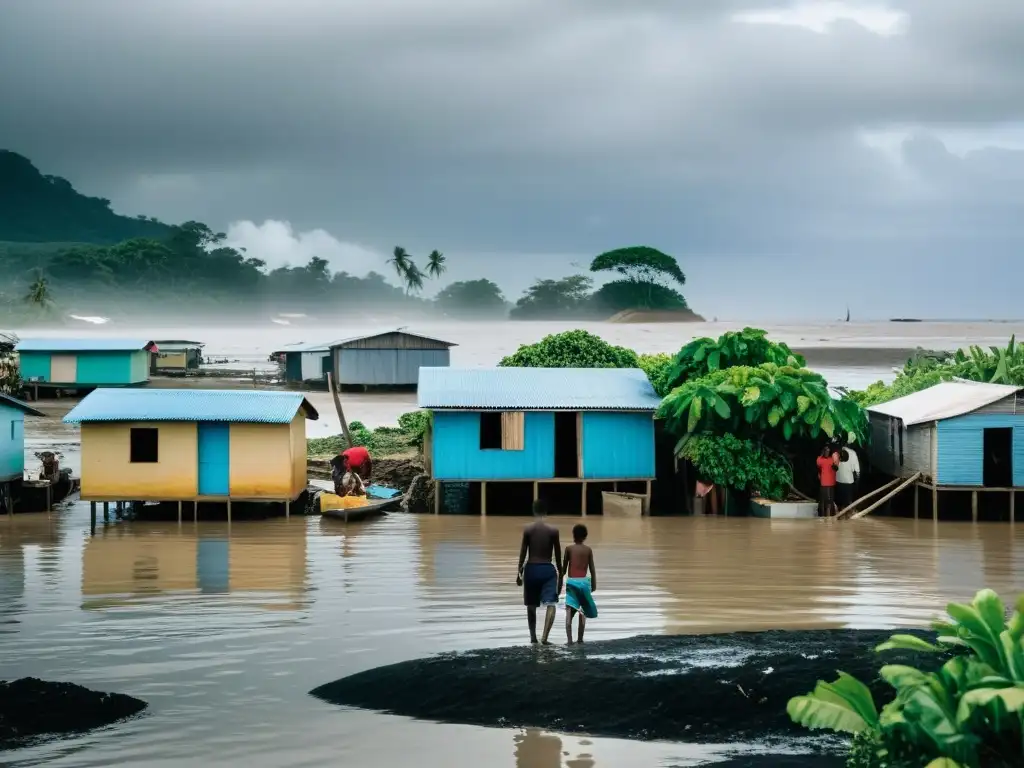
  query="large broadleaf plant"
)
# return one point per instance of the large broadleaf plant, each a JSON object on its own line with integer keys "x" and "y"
{"x": 784, "y": 400}
{"x": 968, "y": 714}
{"x": 749, "y": 347}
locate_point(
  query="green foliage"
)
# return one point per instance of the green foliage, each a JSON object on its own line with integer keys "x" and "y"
{"x": 656, "y": 367}
{"x": 763, "y": 401}
{"x": 729, "y": 461}
{"x": 640, "y": 264}
{"x": 414, "y": 425}
{"x": 968, "y": 714}
{"x": 618, "y": 295}
{"x": 436, "y": 264}
{"x": 546, "y": 299}
{"x": 382, "y": 441}
{"x": 472, "y": 298}
{"x": 571, "y": 349}
{"x": 10, "y": 374}
{"x": 997, "y": 365}
{"x": 35, "y": 208}
{"x": 749, "y": 347}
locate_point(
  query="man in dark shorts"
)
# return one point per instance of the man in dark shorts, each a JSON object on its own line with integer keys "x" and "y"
{"x": 540, "y": 572}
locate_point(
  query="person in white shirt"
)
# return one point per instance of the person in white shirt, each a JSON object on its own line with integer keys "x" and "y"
{"x": 847, "y": 475}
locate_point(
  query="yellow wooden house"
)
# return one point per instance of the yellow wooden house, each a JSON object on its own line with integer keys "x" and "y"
{"x": 192, "y": 445}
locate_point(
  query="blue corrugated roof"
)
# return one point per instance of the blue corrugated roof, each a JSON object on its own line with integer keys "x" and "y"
{"x": 81, "y": 345}
{"x": 12, "y": 402}
{"x": 619, "y": 389}
{"x": 237, "y": 405}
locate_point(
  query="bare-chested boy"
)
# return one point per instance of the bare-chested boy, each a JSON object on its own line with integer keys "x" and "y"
{"x": 579, "y": 559}
{"x": 540, "y": 572}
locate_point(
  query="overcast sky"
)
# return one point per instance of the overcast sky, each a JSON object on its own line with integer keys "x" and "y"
{"x": 794, "y": 158}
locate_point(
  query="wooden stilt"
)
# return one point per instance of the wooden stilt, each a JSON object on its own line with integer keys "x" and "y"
{"x": 483, "y": 499}
{"x": 49, "y": 497}
{"x": 437, "y": 497}
{"x": 917, "y": 499}
{"x": 935, "y": 502}
{"x": 179, "y": 513}
{"x": 647, "y": 499}
{"x": 287, "y": 509}
{"x": 106, "y": 511}
{"x": 974, "y": 506}
{"x": 195, "y": 511}
{"x": 229, "y": 511}
{"x": 536, "y": 490}
{"x": 1013, "y": 515}
{"x": 583, "y": 498}
{"x": 92, "y": 517}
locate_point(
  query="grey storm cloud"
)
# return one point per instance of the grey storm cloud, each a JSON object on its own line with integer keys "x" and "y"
{"x": 776, "y": 141}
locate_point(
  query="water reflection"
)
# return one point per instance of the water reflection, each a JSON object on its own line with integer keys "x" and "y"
{"x": 131, "y": 562}
{"x": 538, "y": 749}
{"x": 24, "y": 539}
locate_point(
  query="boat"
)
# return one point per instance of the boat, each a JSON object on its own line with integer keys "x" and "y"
{"x": 380, "y": 501}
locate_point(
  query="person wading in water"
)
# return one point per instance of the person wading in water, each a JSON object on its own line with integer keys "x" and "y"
{"x": 540, "y": 572}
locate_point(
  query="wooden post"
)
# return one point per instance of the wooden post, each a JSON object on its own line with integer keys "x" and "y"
{"x": 917, "y": 499}
{"x": 92, "y": 517}
{"x": 229, "y": 511}
{"x": 647, "y": 499}
{"x": 583, "y": 498}
{"x": 935, "y": 501}
{"x": 179, "y": 512}
{"x": 49, "y": 496}
{"x": 437, "y": 497}
{"x": 287, "y": 509}
{"x": 195, "y": 510}
{"x": 1013, "y": 495}
{"x": 106, "y": 511}
{"x": 974, "y": 506}
{"x": 536, "y": 490}
{"x": 483, "y": 499}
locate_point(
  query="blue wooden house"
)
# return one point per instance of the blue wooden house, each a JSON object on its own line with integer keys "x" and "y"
{"x": 84, "y": 363}
{"x": 959, "y": 435}
{"x": 526, "y": 433}
{"x": 12, "y": 445}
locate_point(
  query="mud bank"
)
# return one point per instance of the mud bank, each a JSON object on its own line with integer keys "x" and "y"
{"x": 31, "y": 708}
{"x": 700, "y": 689}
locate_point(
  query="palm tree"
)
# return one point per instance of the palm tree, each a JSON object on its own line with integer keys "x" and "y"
{"x": 39, "y": 292}
{"x": 436, "y": 264}
{"x": 400, "y": 260}
{"x": 413, "y": 277}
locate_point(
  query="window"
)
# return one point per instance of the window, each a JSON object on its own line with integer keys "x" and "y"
{"x": 502, "y": 431}
{"x": 144, "y": 442}
{"x": 490, "y": 431}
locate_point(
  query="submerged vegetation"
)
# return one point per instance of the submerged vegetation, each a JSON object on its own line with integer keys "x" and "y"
{"x": 968, "y": 714}
{"x": 996, "y": 365}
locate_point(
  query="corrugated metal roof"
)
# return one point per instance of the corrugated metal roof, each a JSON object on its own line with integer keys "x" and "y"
{"x": 168, "y": 344}
{"x": 621, "y": 389}
{"x": 81, "y": 345}
{"x": 943, "y": 401}
{"x": 12, "y": 402}
{"x": 237, "y": 405}
{"x": 361, "y": 337}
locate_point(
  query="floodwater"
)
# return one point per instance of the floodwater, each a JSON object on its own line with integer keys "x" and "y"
{"x": 224, "y": 630}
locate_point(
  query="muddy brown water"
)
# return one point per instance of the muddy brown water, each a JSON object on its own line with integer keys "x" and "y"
{"x": 225, "y": 630}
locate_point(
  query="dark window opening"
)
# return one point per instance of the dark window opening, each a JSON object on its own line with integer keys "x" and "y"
{"x": 490, "y": 430}
{"x": 998, "y": 460}
{"x": 567, "y": 449}
{"x": 144, "y": 442}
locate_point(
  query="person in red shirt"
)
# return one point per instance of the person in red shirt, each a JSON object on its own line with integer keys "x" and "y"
{"x": 357, "y": 459}
{"x": 827, "y": 478}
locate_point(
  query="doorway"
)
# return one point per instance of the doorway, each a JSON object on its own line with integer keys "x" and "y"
{"x": 567, "y": 447}
{"x": 998, "y": 460}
